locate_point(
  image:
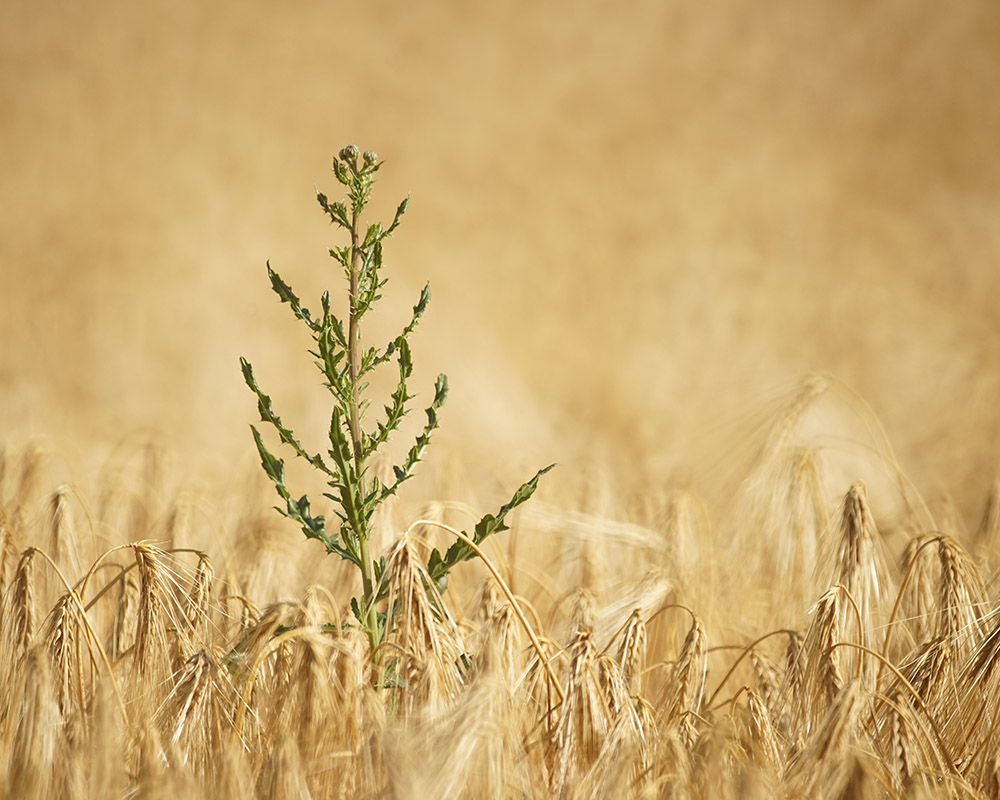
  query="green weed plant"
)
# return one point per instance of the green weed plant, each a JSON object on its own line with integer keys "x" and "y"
{"x": 346, "y": 362}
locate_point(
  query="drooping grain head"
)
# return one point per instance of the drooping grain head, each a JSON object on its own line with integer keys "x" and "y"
{"x": 489, "y": 601}
{"x": 767, "y": 678}
{"x": 857, "y": 566}
{"x": 963, "y": 600}
{"x": 903, "y": 756}
{"x": 687, "y": 683}
{"x": 423, "y": 632}
{"x": 795, "y": 664}
{"x": 584, "y": 606}
{"x": 584, "y": 719}
{"x": 862, "y": 569}
{"x": 617, "y": 697}
{"x": 929, "y": 669}
{"x": 409, "y": 604}
{"x": 632, "y": 652}
{"x": 20, "y": 616}
{"x": 251, "y": 643}
{"x": 191, "y": 716}
{"x": 151, "y": 617}
{"x": 64, "y": 538}
{"x": 198, "y": 605}
{"x": 923, "y": 588}
{"x": 820, "y": 665}
{"x": 500, "y": 646}
{"x": 763, "y": 741}
{"x": 303, "y": 679}
{"x": 63, "y": 638}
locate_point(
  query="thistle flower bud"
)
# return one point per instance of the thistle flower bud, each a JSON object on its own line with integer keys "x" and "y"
{"x": 349, "y": 153}
{"x": 370, "y": 157}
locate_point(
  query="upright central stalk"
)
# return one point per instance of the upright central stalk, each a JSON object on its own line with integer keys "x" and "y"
{"x": 354, "y": 421}
{"x": 353, "y": 339}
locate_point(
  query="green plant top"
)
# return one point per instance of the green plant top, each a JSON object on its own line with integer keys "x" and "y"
{"x": 346, "y": 362}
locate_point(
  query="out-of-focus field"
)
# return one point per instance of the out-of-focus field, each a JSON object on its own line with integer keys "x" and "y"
{"x": 735, "y": 267}
{"x": 636, "y": 221}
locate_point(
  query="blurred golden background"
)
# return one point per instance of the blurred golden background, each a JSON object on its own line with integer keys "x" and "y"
{"x": 638, "y": 220}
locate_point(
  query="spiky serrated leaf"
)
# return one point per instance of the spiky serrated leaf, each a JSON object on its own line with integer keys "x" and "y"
{"x": 400, "y": 210}
{"x": 336, "y": 211}
{"x": 284, "y": 291}
{"x": 267, "y": 415}
{"x": 347, "y": 482}
{"x": 396, "y": 410}
{"x": 490, "y": 524}
{"x": 523, "y": 493}
{"x": 441, "y": 391}
{"x": 273, "y": 466}
{"x": 405, "y": 471}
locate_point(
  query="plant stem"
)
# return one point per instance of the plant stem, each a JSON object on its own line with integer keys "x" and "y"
{"x": 354, "y": 421}
{"x": 353, "y": 339}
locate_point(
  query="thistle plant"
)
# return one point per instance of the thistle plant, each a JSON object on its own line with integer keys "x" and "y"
{"x": 346, "y": 362}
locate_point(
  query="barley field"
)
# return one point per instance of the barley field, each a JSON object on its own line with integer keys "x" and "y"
{"x": 734, "y": 269}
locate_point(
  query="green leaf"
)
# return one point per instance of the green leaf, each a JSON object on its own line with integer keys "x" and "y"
{"x": 336, "y": 211}
{"x": 441, "y": 393}
{"x": 418, "y": 310}
{"x": 273, "y": 466}
{"x": 284, "y": 291}
{"x": 347, "y": 482}
{"x": 267, "y": 415}
{"x": 439, "y": 567}
{"x": 413, "y": 457}
{"x": 399, "y": 213}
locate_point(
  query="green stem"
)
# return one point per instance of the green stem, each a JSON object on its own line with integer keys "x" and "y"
{"x": 353, "y": 341}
